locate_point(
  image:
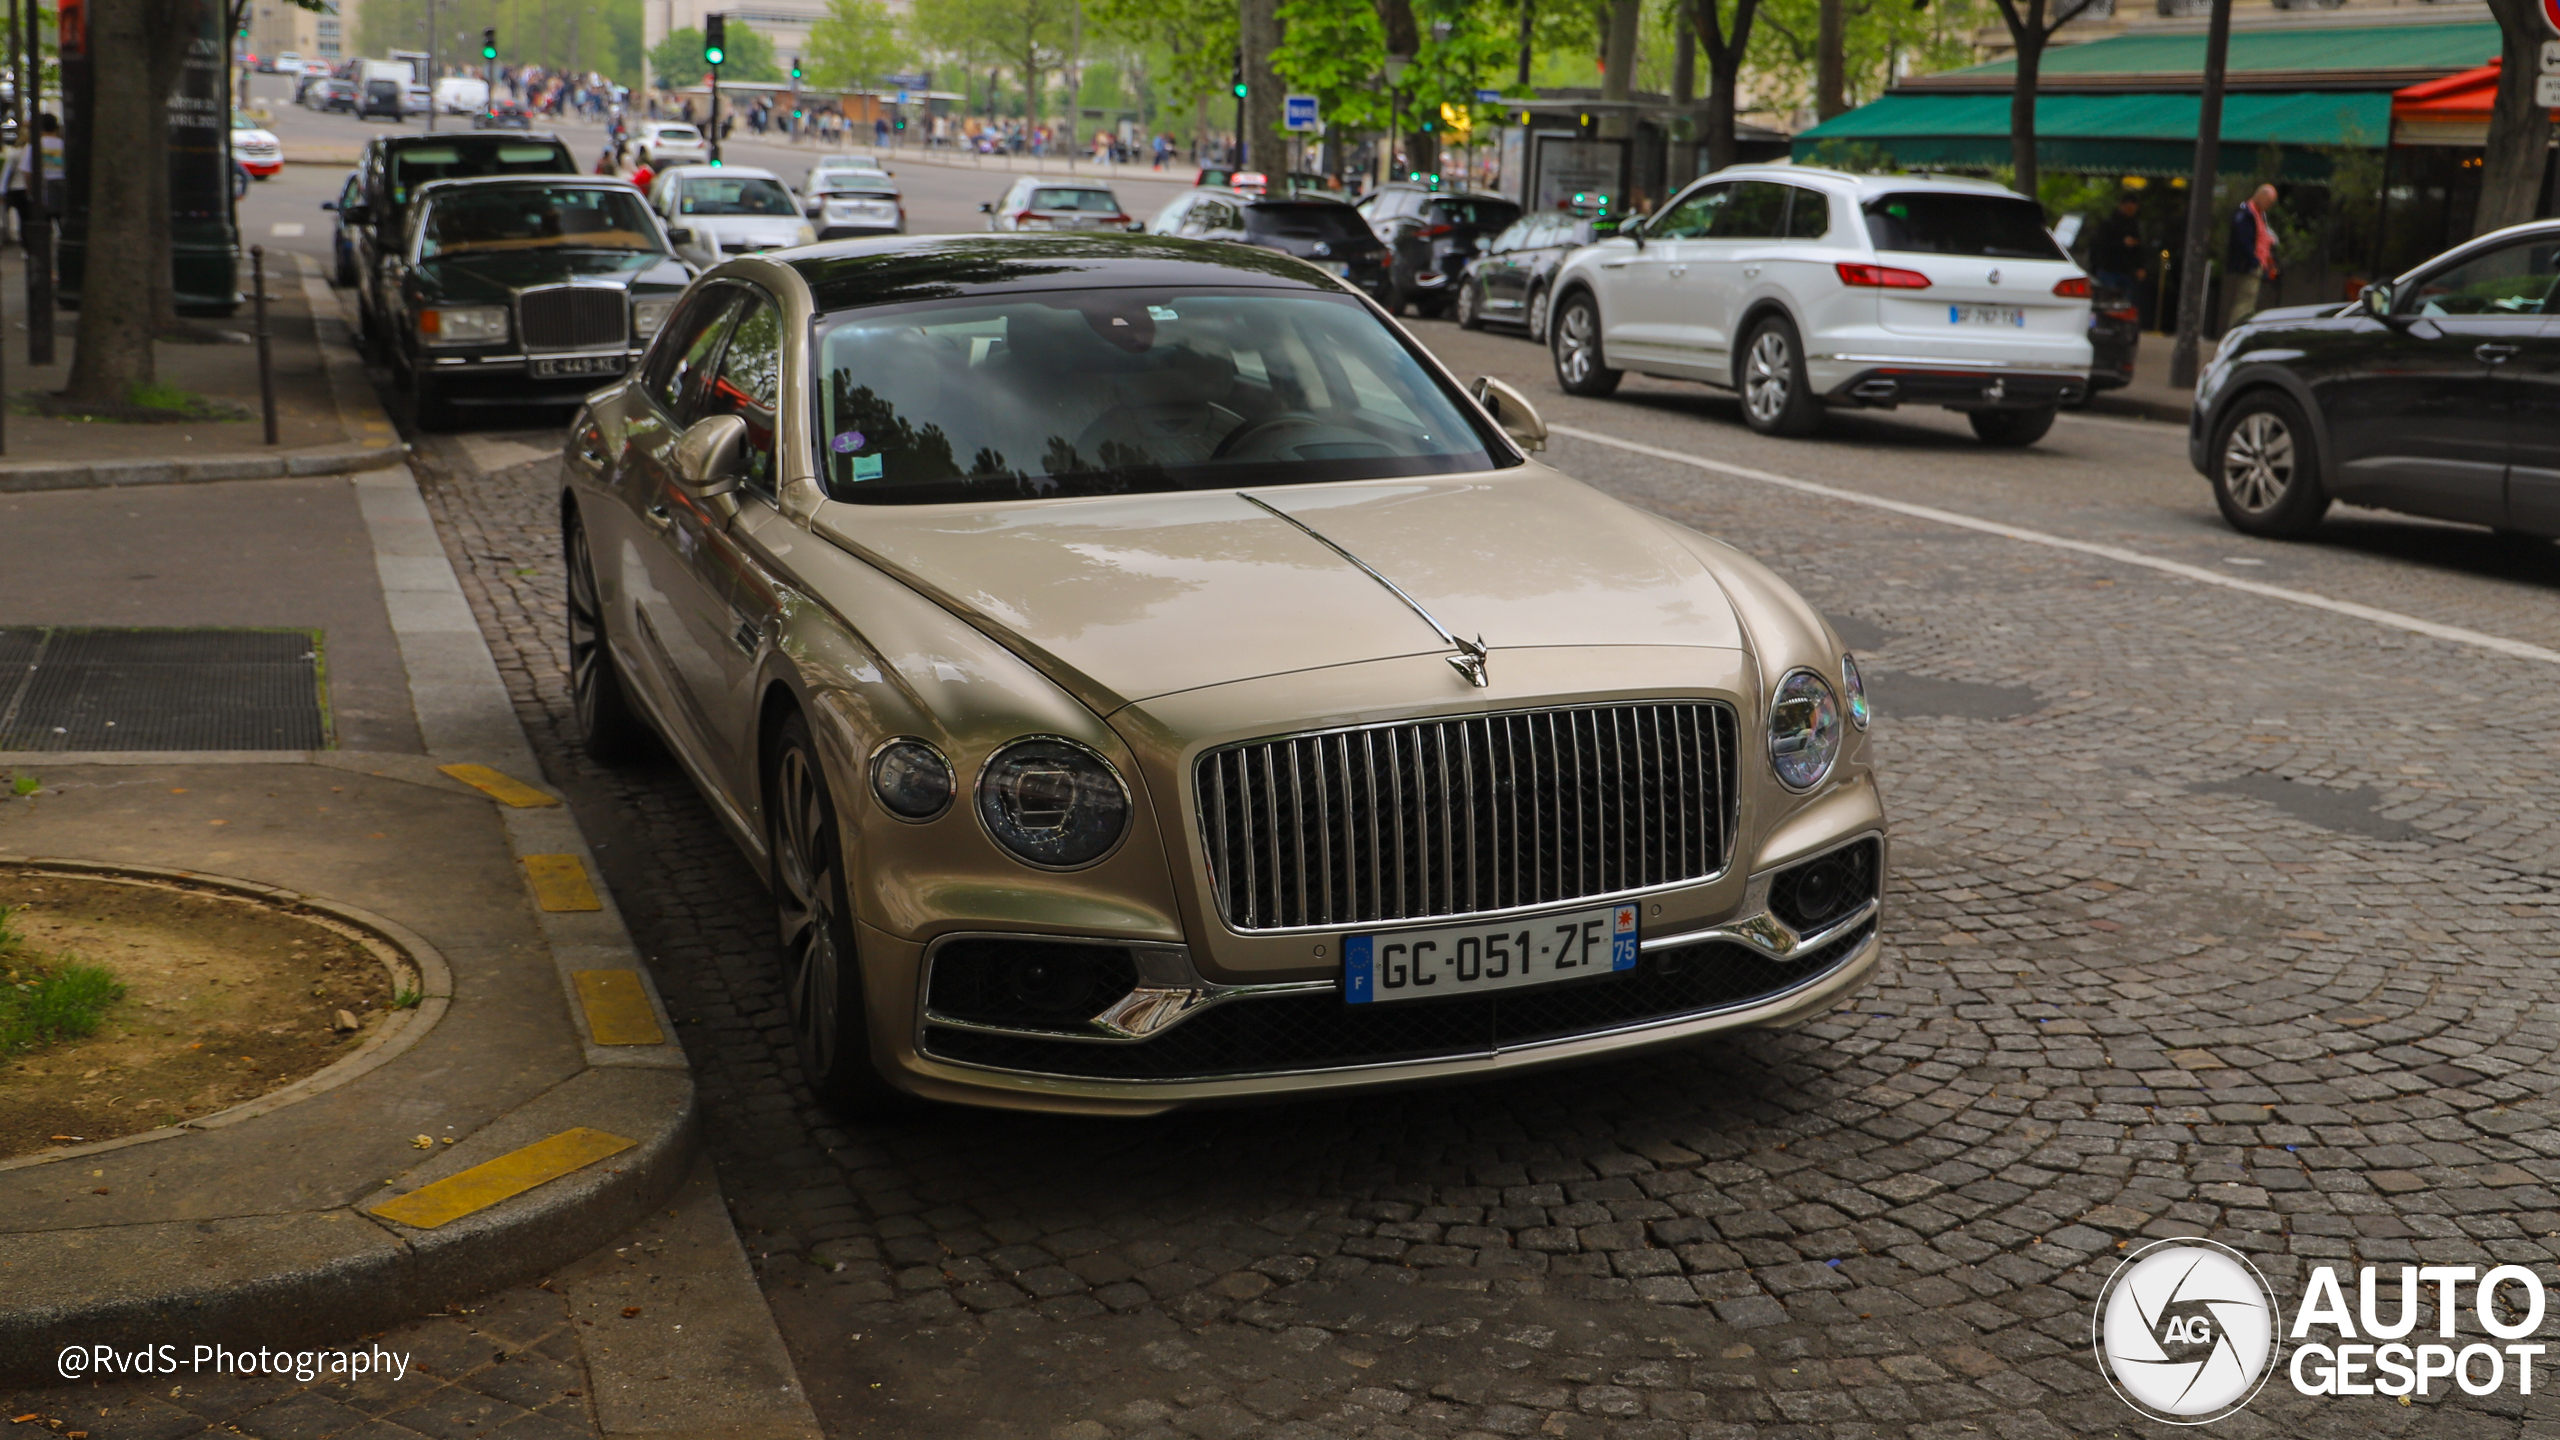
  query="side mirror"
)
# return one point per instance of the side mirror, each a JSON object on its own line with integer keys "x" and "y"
{"x": 328, "y": 204}
{"x": 360, "y": 213}
{"x": 1511, "y": 410}
{"x": 987, "y": 209}
{"x": 680, "y": 236}
{"x": 2376, "y": 300}
{"x": 711, "y": 456}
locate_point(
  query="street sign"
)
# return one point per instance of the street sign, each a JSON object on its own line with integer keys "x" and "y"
{"x": 902, "y": 97}
{"x": 2551, "y": 57}
{"x": 1488, "y": 97}
{"x": 2551, "y": 14}
{"x": 2546, "y": 91}
{"x": 1298, "y": 112}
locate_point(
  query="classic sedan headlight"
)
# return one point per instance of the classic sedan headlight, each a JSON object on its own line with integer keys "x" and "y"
{"x": 647, "y": 315}
{"x": 463, "y": 325}
{"x": 1052, "y": 802}
{"x": 807, "y": 233}
{"x": 1804, "y": 730}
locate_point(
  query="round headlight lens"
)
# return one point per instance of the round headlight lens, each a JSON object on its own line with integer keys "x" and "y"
{"x": 1804, "y": 730}
{"x": 912, "y": 779}
{"x": 1854, "y": 686}
{"x": 1053, "y": 802}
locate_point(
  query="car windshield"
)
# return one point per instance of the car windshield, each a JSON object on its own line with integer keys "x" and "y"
{"x": 1102, "y": 392}
{"x": 1061, "y": 198}
{"x": 535, "y": 217}
{"x": 1482, "y": 214}
{"x": 415, "y": 165}
{"x": 735, "y": 195}
{"x": 1307, "y": 222}
{"x": 242, "y": 122}
{"x": 2004, "y": 227}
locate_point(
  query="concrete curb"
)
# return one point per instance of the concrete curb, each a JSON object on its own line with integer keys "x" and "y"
{"x": 23, "y": 475}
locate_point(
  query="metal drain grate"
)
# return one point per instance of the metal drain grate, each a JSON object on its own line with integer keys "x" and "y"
{"x": 66, "y": 689}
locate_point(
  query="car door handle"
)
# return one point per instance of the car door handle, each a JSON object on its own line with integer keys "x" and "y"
{"x": 2493, "y": 354}
{"x": 1750, "y": 272}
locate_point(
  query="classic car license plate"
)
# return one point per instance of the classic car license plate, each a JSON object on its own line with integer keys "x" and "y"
{"x": 1341, "y": 268}
{"x": 578, "y": 365}
{"x": 2008, "y": 315}
{"x": 1469, "y": 959}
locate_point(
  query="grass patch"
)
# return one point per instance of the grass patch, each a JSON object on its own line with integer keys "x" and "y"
{"x": 41, "y": 1004}
{"x": 152, "y": 404}
{"x": 405, "y": 998}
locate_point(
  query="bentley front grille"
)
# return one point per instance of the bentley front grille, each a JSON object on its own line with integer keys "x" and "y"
{"x": 1478, "y": 814}
{"x": 571, "y": 317}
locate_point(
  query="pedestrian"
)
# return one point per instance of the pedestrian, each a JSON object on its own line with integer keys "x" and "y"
{"x": 2252, "y": 254}
{"x": 2118, "y": 258}
{"x": 642, "y": 175}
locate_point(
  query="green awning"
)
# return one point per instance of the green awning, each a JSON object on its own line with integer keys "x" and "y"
{"x": 2381, "y": 56}
{"x": 2317, "y": 117}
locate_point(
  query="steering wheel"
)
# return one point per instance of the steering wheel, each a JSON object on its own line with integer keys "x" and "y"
{"x": 1236, "y": 439}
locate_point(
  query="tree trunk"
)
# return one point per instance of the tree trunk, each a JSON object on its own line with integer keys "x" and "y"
{"x": 114, "y": 354}
{"x": 172, "y": 32}
{"x": 2519, "y": 130}
{"x": 2022, "y": 108}
{"x": 1831, "y": 60}
{"x": 1618, "y": 68}
{"x": 1724, "y": 64}
{"x": 1258, "y": 34}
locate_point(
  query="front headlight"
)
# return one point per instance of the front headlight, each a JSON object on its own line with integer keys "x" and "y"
{"x": 463, "y": 325}
{"x": 1854, "y": 685}
{"x": 1804, "y": 730}
{"x": 912, "y": 779}
{"x": 647, "y": 315}
{"x": 1052, "y": 802}
{"x": 808, "y": 234}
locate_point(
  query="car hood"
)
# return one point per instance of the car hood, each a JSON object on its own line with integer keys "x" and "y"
{"x": 497, "y": 275}
{"x": 253, "y": 137}
{"x": 2289, "y": 314}
{"x": 778, "y": 229}
{"x": 1125, "y": 598}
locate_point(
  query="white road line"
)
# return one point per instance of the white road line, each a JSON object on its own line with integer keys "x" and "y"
{"x": 2392, "y": 618}
{"x": 285, "y": 229}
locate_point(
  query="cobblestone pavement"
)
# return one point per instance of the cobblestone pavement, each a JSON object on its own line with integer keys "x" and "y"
{"x": 506, "y": 1367}
{"x": 2212, "y": 915}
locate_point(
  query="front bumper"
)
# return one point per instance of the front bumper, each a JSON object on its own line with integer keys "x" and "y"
{"x": 1178, "y": 1039}
{"x": 858, "y": 231}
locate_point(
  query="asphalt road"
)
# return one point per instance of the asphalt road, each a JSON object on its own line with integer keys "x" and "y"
{"x": 2223, "y": 904}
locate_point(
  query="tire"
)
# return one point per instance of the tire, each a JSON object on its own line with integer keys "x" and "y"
{"x": 1581, "y": 365}
{"x": 821, "y": 967}
{"x": 2265, "y": 467}
{"x": 2015, "y": 428}
{"x": 1776, "y": 397}
{"x": 346, "y": 278}
{"x": 1538, "y": 315}
{"x": 610, "y": 729}
{"x": 1470, "y": 307}
{"x": 434, "y": 407}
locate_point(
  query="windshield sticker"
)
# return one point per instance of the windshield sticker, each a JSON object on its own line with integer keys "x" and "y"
{"x": 866, "y": 467}
{"x": 1162, "y": 312}
{"x": 848, "y": 442}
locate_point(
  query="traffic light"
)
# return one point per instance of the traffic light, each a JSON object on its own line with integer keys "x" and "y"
{"x": 715, "y": 39}
{"x": 1238, "y": 77}
{"x": 489, "y": 44}
{"x": 795, "y": 69}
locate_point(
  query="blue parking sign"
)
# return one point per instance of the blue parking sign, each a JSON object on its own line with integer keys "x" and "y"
{"x": 1298, "y": 113}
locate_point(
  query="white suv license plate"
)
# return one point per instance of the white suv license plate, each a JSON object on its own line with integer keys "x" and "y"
{"x": 578, "y": 365}
{"x": 1472, "y": 959}
{"x": 2008, "y": 315}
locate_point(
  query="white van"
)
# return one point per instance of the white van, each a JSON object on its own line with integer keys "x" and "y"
{"x": 461, "y": 94}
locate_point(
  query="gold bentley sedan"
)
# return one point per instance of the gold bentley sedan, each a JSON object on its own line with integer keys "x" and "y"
{"x": 1147, "y": 678}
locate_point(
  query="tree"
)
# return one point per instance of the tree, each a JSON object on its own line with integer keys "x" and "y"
{"x": 1726, "y": 40}
{"x": 1035, "y": 37}
{"x": 128, "y": 128}
{"x": 1877, "y": 38}
{"x": 2519, "y": 129}
{"x": 1195, "y": 38}
{"x": 567, "y": 35}
{"x": 2030, "y": 30}
{"x": 677, "y": 58}
{"x": 856, "y": 43}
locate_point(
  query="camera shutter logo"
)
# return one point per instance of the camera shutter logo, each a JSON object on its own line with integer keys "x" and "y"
{"x": 2186, "y": 1331}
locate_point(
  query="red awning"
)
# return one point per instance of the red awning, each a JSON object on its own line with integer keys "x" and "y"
{"x": 2467, "y": 96}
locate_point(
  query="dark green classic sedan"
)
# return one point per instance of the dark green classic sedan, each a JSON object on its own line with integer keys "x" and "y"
{"x": 519, "y": 290}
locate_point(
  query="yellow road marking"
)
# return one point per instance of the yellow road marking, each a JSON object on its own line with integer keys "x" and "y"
{"x": 499, "y": 786}
{"x": 560, "y": 883}
{"x": 617, "y": 1007}
{"x": 504, "y": 1178}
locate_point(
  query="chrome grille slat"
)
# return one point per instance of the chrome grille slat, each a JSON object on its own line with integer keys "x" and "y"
{"x": 571, "y": 317}
{"x": 1468, "y": 815}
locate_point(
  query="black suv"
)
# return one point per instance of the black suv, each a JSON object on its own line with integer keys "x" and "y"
{"x": 1431, "y": 237}
{"x": 2436, "y": 394}
{"x": 1325, "y": 233}
{"x": 1510, "y": 281}
{"x": 388, "y": 175}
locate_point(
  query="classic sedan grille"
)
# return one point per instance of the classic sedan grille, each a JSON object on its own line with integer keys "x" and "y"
{"x": 571, "y": 317}
{"x": 1315, "y": 1030}
{"x": 1464, "y": 816}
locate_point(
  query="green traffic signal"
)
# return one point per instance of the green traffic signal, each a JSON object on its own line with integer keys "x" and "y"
{"x": 488, "y": 44}
{"x": 1240, "y": 88}
{"x": 715, "y": 39}
{"x": 713, "y": 55}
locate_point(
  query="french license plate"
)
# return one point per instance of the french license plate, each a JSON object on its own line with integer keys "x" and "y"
{"x": 2008, "y": 315}
{"x": 1471, "y": 959}
{"x": 578, "y": 365}
{"x": 1341, "y": 268}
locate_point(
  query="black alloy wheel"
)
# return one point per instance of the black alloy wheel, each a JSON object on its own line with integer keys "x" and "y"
{"x": 2015, "y": 428}
{"x": 821, "y": 967}
{"x": 2265, "y": 468}
{"x": 1581, "y": 368}
{"x": 610, "y": 729}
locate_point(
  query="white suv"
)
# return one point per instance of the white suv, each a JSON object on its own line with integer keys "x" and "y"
{"x": 1803, "y": 288}
{"x": 662, "y": 143}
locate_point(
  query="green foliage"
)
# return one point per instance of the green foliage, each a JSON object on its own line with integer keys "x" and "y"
{"x": 1184, "y": 47}
{"x": 856, "y": 43}
{"x": 1857, "y": 157}
{"x": 41, "y": 1004}
{"x": 1035, "y": 38}
{"x": 406, "y": 998}
{"x": 1878, "y": 36}
{"x": 677, "y": 60}
{"x": 25, "y": 785}
{"x": 1336, "y": 50}
{"x": 572, "y": 35}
